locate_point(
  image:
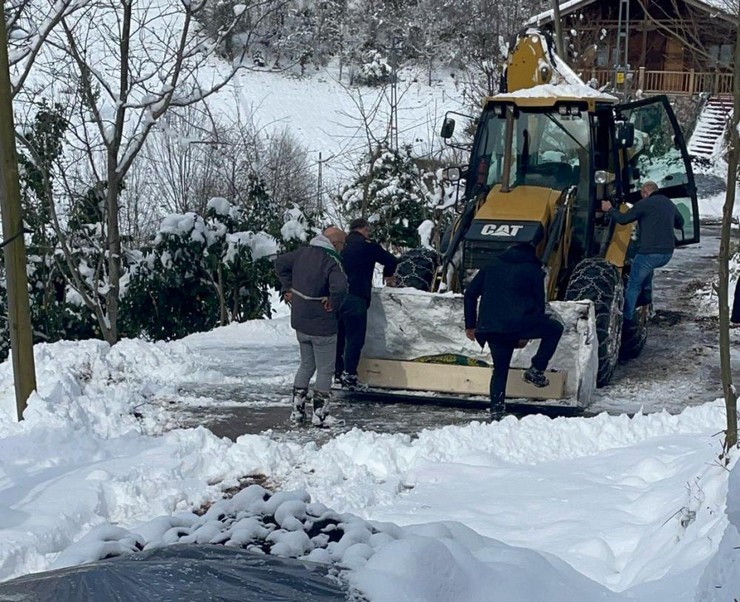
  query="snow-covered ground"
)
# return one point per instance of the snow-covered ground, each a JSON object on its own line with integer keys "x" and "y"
{"x": 321, "y": 111}
{"x": 576, "y": 509}
{"x": 609, "y": 507}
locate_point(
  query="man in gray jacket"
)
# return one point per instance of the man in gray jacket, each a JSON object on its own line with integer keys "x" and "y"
{"x": 314, "y": 284}
{"x": 657, "y": 217}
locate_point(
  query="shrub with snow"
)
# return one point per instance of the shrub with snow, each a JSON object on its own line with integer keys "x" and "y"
{"x": 203, "y": 271}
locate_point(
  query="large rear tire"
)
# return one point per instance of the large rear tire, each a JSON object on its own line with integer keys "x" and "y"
{"x": 597, "y": 280}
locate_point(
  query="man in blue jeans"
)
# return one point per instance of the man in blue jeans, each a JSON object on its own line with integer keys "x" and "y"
{"x": 657, "y": 217}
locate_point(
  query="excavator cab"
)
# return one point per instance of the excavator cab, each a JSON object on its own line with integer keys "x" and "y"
{"x": 540, "y": 167}
{"x": 525, "y": 157}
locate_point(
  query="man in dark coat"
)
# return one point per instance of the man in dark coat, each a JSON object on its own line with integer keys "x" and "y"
{"x": 359, "y": 257}
{"x": 512, "y": 308}
{"x": 656, "y": 216}
{"x": 314, "y": 284}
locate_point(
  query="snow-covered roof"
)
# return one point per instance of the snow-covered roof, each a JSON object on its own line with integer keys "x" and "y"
{"x": 726, "y": 8}
{"x": 565, "y": 8}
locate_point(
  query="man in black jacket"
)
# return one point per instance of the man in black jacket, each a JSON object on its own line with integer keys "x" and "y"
{"x": 656, "y": 216}
{"x": 359, "y": 257}
{"x": 511, "y": 289}
{"x": 314, "y": 284}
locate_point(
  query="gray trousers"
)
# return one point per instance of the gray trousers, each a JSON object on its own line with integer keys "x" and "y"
{"x": 317, "y": 355}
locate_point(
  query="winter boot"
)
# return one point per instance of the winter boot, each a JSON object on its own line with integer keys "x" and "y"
{"x": 498, "y": 410}
{"x": 321, "y": 407}
{"x": 350, "y": 382}
{"x": 298, "y": 413}
{"x": 535, "y": 377}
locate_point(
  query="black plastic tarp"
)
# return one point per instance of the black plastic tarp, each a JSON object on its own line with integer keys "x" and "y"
{"x": 181, "y": 573}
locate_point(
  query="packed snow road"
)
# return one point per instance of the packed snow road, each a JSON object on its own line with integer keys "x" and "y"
{"x": 678, "y": 367}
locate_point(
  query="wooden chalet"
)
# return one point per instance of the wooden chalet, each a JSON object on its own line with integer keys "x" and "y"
{"x": 678, "y": 47}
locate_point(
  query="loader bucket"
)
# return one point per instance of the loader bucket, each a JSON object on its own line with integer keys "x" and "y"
{"x": 416, "y": 342}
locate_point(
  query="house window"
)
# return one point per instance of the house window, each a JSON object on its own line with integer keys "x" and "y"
{"x": 606, "y": 56}
{"x": 720, "y": 55}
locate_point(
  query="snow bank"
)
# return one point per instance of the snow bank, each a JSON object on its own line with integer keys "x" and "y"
{"x": 721, "y": 579}
{"x": 530, "y": 509}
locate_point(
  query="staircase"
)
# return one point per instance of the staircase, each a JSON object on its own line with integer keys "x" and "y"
{"x": 710, "y": 128}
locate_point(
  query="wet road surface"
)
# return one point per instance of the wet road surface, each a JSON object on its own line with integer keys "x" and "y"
{"x": 678, "y": 367}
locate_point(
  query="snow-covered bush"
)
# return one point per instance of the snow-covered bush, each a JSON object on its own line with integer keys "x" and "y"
{"x": 374, "y": 69}
{"x": 205, "y": 271}
{"x": 202, "y": 271}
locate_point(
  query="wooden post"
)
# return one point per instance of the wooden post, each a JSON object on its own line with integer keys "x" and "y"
{"x": 641, "y": 79}
{"x": 692, "y": 81}
{"x": 19, "y": 313}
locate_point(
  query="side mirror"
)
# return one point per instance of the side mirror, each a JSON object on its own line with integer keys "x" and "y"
{"x": 625, "y": 134}
{"x": 448, "y": 128}
{"x": 453, "y": 174}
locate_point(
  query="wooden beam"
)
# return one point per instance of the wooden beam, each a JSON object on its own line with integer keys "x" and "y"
{"x": 453, "y": 379}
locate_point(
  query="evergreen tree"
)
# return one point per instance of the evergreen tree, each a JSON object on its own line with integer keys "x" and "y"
{"x": 51, "y": 316}
{"x": 390, "y": 196}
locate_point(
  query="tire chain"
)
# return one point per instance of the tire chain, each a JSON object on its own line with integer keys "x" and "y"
{"x": 416, "y": 269}
{"x": 597, "y": 280}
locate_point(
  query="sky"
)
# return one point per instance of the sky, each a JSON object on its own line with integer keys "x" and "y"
{"x": 610, "y": 507}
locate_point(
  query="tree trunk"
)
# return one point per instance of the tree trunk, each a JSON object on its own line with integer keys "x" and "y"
{"x": 724, "y": 256}
{"x": 110, "y": 326}
{"x": 224, "y": 314}
{"x": 16, "y": 265}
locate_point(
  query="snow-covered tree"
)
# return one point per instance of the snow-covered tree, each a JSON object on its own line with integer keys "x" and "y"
{"x": 182, "y": 159}
{"x": 54, "y": 315}
{"x": 128, "y": 63}
{"x": 389, "y": 194}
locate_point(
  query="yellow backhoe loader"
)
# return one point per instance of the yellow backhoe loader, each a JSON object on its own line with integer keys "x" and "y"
{"x": 547, "y": 150}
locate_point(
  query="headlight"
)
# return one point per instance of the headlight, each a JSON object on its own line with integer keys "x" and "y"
{"x": 600, "y": 176}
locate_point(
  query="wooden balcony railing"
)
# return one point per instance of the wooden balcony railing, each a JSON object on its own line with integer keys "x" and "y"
{"x": 668, "y": 82}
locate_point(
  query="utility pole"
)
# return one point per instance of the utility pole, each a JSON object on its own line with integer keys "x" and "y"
{"x": 559, "y": 43}
{"x": 394, "y": 93}
{"x": 19, "y": 311}
{"x": 623, "y": 34}
{"x": 320, "y": 191}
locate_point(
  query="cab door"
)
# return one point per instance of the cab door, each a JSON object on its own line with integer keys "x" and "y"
{"x": 659, "y": 154}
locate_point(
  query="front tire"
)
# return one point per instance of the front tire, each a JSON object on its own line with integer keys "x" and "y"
{"x": 597, "y": 280}
{"x": 416, "y": 269}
